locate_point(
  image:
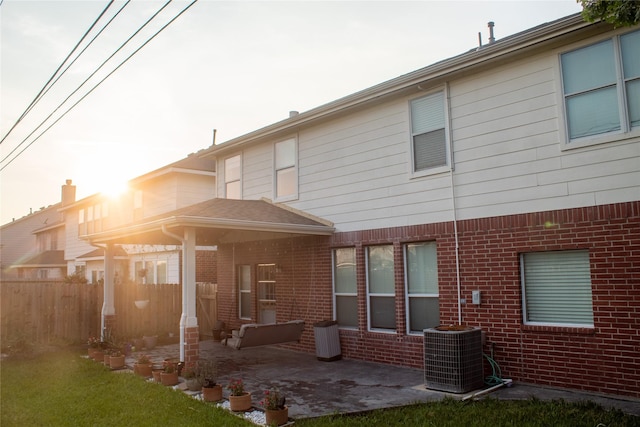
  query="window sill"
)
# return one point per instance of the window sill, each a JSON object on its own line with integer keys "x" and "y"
{"x": 589, "y": 141}
{"x": 575, "y": 330}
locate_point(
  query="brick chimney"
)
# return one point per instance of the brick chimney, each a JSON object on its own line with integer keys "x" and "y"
{"x": 68, "y": 193}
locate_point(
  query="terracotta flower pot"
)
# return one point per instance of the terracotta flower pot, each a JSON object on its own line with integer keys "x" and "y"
{"x": 276, "y": 416}
{"x": 212, "y": 394}
{"x": 143, "y": 369}
{"x": 98, "y": 356}
{"x": 116, "y": 362}
{"x": 240, "y": 403}
{"x": 157, "y": 375}
{"x": 169, "y": 378}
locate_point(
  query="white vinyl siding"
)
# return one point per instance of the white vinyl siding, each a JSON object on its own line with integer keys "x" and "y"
{"x": 381, "y": 288}
{"x": 556, "y": 288}
{"x": 345, "y": 287}
{"x": 597, "y": 79}
{"x": 421, "y": 270}
{"x": 428, "y": 133}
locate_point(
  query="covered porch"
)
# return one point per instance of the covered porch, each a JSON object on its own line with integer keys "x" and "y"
{"x": 211, "y": 223}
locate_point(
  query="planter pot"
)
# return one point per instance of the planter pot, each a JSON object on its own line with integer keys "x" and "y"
{"x": 212, "y": 394}
{"x": 98, "y": 356}
{"x": 150, "y": 342}
{"x": 169, "y": 379}
{"x": 138, "y": 343}
{"x": 143, "y": 369}
{"x": 193, "y": 384}
{"x": 106, "y": 359}
{"x": 240, "y": 403}
{"x": 116, "y": 362}
{"x": 90, "y": 352}
{"x": 156, "y": 375}
{"x": 276, "y": 417}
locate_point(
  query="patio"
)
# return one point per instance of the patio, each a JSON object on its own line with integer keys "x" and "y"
{"x": 315, "y": 388}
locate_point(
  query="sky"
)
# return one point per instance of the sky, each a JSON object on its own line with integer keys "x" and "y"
{"x": 233, "y": 66}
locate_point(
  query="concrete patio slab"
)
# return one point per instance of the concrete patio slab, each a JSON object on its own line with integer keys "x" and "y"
{"x": 315, "y": 388}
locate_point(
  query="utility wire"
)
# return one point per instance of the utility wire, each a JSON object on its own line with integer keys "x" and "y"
{"x": 85, "y": 81}
{"x": 37, "y": 98}
{"x": 100, "y": 82}
{"x": 81, "y": 52}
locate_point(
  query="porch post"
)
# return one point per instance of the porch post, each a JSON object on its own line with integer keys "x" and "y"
{"x": 108, "y": 318}
{"x": 189, "y": 334}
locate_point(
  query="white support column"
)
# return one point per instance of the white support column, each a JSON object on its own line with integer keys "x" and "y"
{"x": 108, "y": 306}
{"x": 188, "y": 318}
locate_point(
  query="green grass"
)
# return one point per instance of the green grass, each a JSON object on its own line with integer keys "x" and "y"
{"x": 63, "y": 389}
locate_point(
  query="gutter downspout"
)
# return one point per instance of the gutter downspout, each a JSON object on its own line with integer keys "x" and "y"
{"x": 183, "y": 317}
{"x": 453, "y": 204}
{"x": 108, "y": 305}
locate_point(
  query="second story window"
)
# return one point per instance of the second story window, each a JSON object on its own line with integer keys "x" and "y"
{"x": 429, "y": 147}
{"x": 601, "y": 87}
{"x": 232, "y": 175}
{"x": 286, "y": 174}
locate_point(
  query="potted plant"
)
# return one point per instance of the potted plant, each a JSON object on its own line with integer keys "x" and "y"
{"x": 276, "y": 413}
{"x": 211, "y": 391}
{"x": 169, "y": 376}
{"x": 191, "y": 378}
{"x": 116, "y": 359}
{"x": 94, "y": 345}
{"x": 239, "y": 399}
{"x": 143, "y": 366}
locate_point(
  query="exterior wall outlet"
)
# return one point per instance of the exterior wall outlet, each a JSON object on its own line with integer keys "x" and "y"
{"x": 475, "y": 297}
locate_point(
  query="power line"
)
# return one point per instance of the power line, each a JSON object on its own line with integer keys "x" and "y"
{"x": 85, "y": 81}
{"x": 37, "y": 98}
{"x": 100, "y": 82}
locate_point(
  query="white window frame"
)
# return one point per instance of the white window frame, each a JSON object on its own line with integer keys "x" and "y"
{"x": 558, "y": 303}
{"x": 228, "y": 181}
{"x": 371, "y": 295}
{"x": 408, "y": 294}
{"x": 625, "y": 131}
{"x": 337, "y": 295}
{"x": 285, "y": 167}
{"x": 444, "y": 90}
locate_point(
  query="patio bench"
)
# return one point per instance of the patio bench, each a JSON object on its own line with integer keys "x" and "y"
{"x": 258, "y": 334}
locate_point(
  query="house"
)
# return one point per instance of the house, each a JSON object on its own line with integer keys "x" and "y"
{"x": 33, "y": 246}
{"x": 170, "y": 187}
{"x": 498, "y": 189}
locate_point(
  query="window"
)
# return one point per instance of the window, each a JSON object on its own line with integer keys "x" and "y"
{"x": 381, "y": 288}
{"x": 233, "y": 188}
{"x": 345, "y": 287}
{"x": 429, "y": 146}
{"x": 556, "y": 288}
{"x": 601, "y": 87}
{"x": 286, "y": 176}
{"x": 423, "y": 310}
{"x": 244, "y": 291}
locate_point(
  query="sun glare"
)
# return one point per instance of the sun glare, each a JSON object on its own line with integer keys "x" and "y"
{"x": 114, "y": 189}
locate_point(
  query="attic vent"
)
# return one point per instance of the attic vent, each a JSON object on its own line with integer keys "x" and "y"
{"x": 293, "y": 113}
{"x": 453, "y": 359}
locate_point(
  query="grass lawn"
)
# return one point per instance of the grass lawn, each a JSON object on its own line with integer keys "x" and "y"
{"x": 63, "y": 389}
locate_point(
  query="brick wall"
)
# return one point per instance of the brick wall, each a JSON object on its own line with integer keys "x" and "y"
{"x": 206, "y": 266}
{"x": 601, "y": 359}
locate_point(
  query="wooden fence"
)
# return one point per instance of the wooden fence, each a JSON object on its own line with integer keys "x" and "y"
{"x": 56, "y": 312}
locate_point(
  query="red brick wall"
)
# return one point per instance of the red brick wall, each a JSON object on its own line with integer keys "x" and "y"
{"x": 206, "y": 266}
{"x": 603, "y": 359}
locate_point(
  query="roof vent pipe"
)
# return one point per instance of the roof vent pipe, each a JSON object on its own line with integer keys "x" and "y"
{"x": 293, "y": 113}
{"x": 492, "y": 39}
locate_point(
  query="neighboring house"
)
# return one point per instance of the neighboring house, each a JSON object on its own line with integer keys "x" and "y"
{"x": 170, "y": 187}
{"x": 32, "y": 247}
{"x": 498, "y": 189}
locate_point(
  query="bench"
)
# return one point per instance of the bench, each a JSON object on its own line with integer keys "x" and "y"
{"x": 258, "y": 334}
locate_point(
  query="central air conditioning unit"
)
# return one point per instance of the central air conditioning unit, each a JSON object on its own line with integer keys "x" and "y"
{"x": 453, "y": 358}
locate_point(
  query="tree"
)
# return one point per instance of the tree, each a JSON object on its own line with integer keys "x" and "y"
{"x": 620, "y": 13}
